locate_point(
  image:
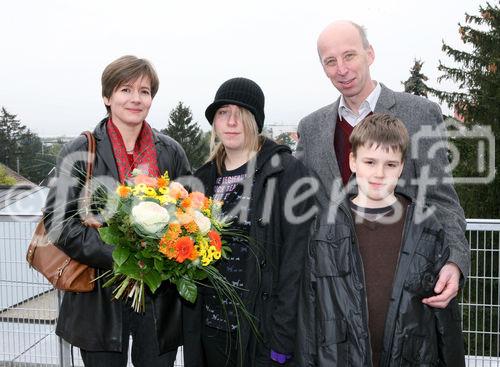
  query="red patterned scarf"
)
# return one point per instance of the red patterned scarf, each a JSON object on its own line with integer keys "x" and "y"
{"x": 144, "y": 151}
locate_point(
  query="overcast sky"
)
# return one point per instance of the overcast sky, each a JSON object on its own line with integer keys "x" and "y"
{"x": 53, "y": 52}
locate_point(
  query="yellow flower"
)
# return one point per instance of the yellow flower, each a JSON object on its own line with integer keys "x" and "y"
{"x": 212, "y": 251}
{"x": 207, "y": 253}
{"x": 168, "y": 199}
{"x": 149, "y": 191}
{"x": 139, "y": 189}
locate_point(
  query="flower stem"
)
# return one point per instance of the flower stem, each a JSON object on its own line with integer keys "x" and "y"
{"x": 119, "y": 291}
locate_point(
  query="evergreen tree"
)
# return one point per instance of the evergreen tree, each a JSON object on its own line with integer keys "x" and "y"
{"x": 10, "y": 132}
{"x": 475, "y": 71}
{"x": 478, "y": 78}
{"x": 415, "y": 84}
{"x": 34, "y": 165}
{"x": 207, "y": 136}
{"x": 285, "y": 139}
{"x": 20, "y": 148}
{"x": 182, "y": 128}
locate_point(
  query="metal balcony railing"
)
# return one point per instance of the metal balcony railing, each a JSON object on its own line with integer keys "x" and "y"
{"x": 29, "y": 306}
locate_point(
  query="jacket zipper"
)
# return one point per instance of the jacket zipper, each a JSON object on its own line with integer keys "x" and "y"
{"x": 408, "y": 217}
{"x": 362, "y": 270}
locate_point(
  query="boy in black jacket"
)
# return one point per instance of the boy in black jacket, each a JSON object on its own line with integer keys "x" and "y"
{"x": 377, "y": 263}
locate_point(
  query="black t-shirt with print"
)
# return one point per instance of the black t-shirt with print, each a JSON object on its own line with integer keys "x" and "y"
{"x": 229, "y": 188}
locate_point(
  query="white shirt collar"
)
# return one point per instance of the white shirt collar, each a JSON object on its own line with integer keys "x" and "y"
{"x": 366, "y": 107}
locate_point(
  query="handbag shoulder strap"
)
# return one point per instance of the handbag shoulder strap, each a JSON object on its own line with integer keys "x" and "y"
{"x": 88, "y": 218}
{"x": 39, "y": 236}
{"x": 90, "y": 162}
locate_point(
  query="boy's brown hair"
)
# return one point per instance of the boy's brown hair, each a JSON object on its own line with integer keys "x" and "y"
{"x": 124, "y": 69}
{"x": 383, "y": 130}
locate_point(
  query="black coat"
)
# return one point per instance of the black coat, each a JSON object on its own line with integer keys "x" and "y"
{"x": 334, "y": 312}
{"x": 281, "y": 247}
{"x": 92, "y": 321}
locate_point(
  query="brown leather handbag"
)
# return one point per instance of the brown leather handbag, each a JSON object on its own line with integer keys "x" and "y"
{"x": 62, "y": 271}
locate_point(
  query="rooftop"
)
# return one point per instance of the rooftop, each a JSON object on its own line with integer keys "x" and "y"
{"x": 21, "y": 180}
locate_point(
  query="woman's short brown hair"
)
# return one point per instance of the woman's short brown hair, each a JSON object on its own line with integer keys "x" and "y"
{"x": 380, "y": 129}
{"x": 124, "y": 69}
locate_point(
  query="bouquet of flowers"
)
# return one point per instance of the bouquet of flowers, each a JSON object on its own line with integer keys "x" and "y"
{"x": 163, "y": 233}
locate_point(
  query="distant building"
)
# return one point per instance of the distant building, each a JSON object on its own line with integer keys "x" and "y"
{"x": 273, "y": 130}
{"x": 56, "y": 140}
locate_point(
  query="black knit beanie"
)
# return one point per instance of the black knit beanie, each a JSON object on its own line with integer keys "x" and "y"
{"x": 241, "y": 92}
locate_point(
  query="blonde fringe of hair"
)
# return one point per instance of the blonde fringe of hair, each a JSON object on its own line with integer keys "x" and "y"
{"x": 253, "y": 140}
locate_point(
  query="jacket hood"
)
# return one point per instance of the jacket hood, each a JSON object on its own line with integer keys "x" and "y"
{"x": 268, "y": 150}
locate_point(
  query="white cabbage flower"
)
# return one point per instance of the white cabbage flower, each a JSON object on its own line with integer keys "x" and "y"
{"x": 202, "y": 222}
{"x": 150, "y": 216}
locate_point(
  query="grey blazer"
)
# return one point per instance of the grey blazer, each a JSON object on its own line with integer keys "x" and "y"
{"x": 424, "y": 176}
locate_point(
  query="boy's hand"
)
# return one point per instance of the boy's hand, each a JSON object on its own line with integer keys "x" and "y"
{"x": 446, "y": 286}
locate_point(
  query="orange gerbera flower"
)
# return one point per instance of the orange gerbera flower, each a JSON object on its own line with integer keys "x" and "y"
{"x": 185, "y": 248}
{"x": 215, "y": 239}
{"x": 146, "y": 180}
{"x": 123, "y": 191}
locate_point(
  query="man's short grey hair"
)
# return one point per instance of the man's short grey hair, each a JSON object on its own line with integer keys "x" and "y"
{"x": 362, "y": 34}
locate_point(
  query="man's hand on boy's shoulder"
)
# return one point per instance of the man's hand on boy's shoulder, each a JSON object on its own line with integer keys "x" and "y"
{"x": 446, "y": 287}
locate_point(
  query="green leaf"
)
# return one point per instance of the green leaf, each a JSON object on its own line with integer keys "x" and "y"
{"x": 110, "y": 235}
{"x": 152, "y": 279}
{"x": 200, "y": 274}
{"x": 121, "y": 254}
{"x": 187, "y": 289}
{"x": 159, "y": 265}
{"x": 130, "y": 269}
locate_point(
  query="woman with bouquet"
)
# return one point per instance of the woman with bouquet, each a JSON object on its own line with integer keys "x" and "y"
{"x": 256, "y": 179}
{"x": 100, "y": 327}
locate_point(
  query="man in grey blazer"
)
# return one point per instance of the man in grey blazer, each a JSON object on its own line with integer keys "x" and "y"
{"x": 346, "y": 56}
